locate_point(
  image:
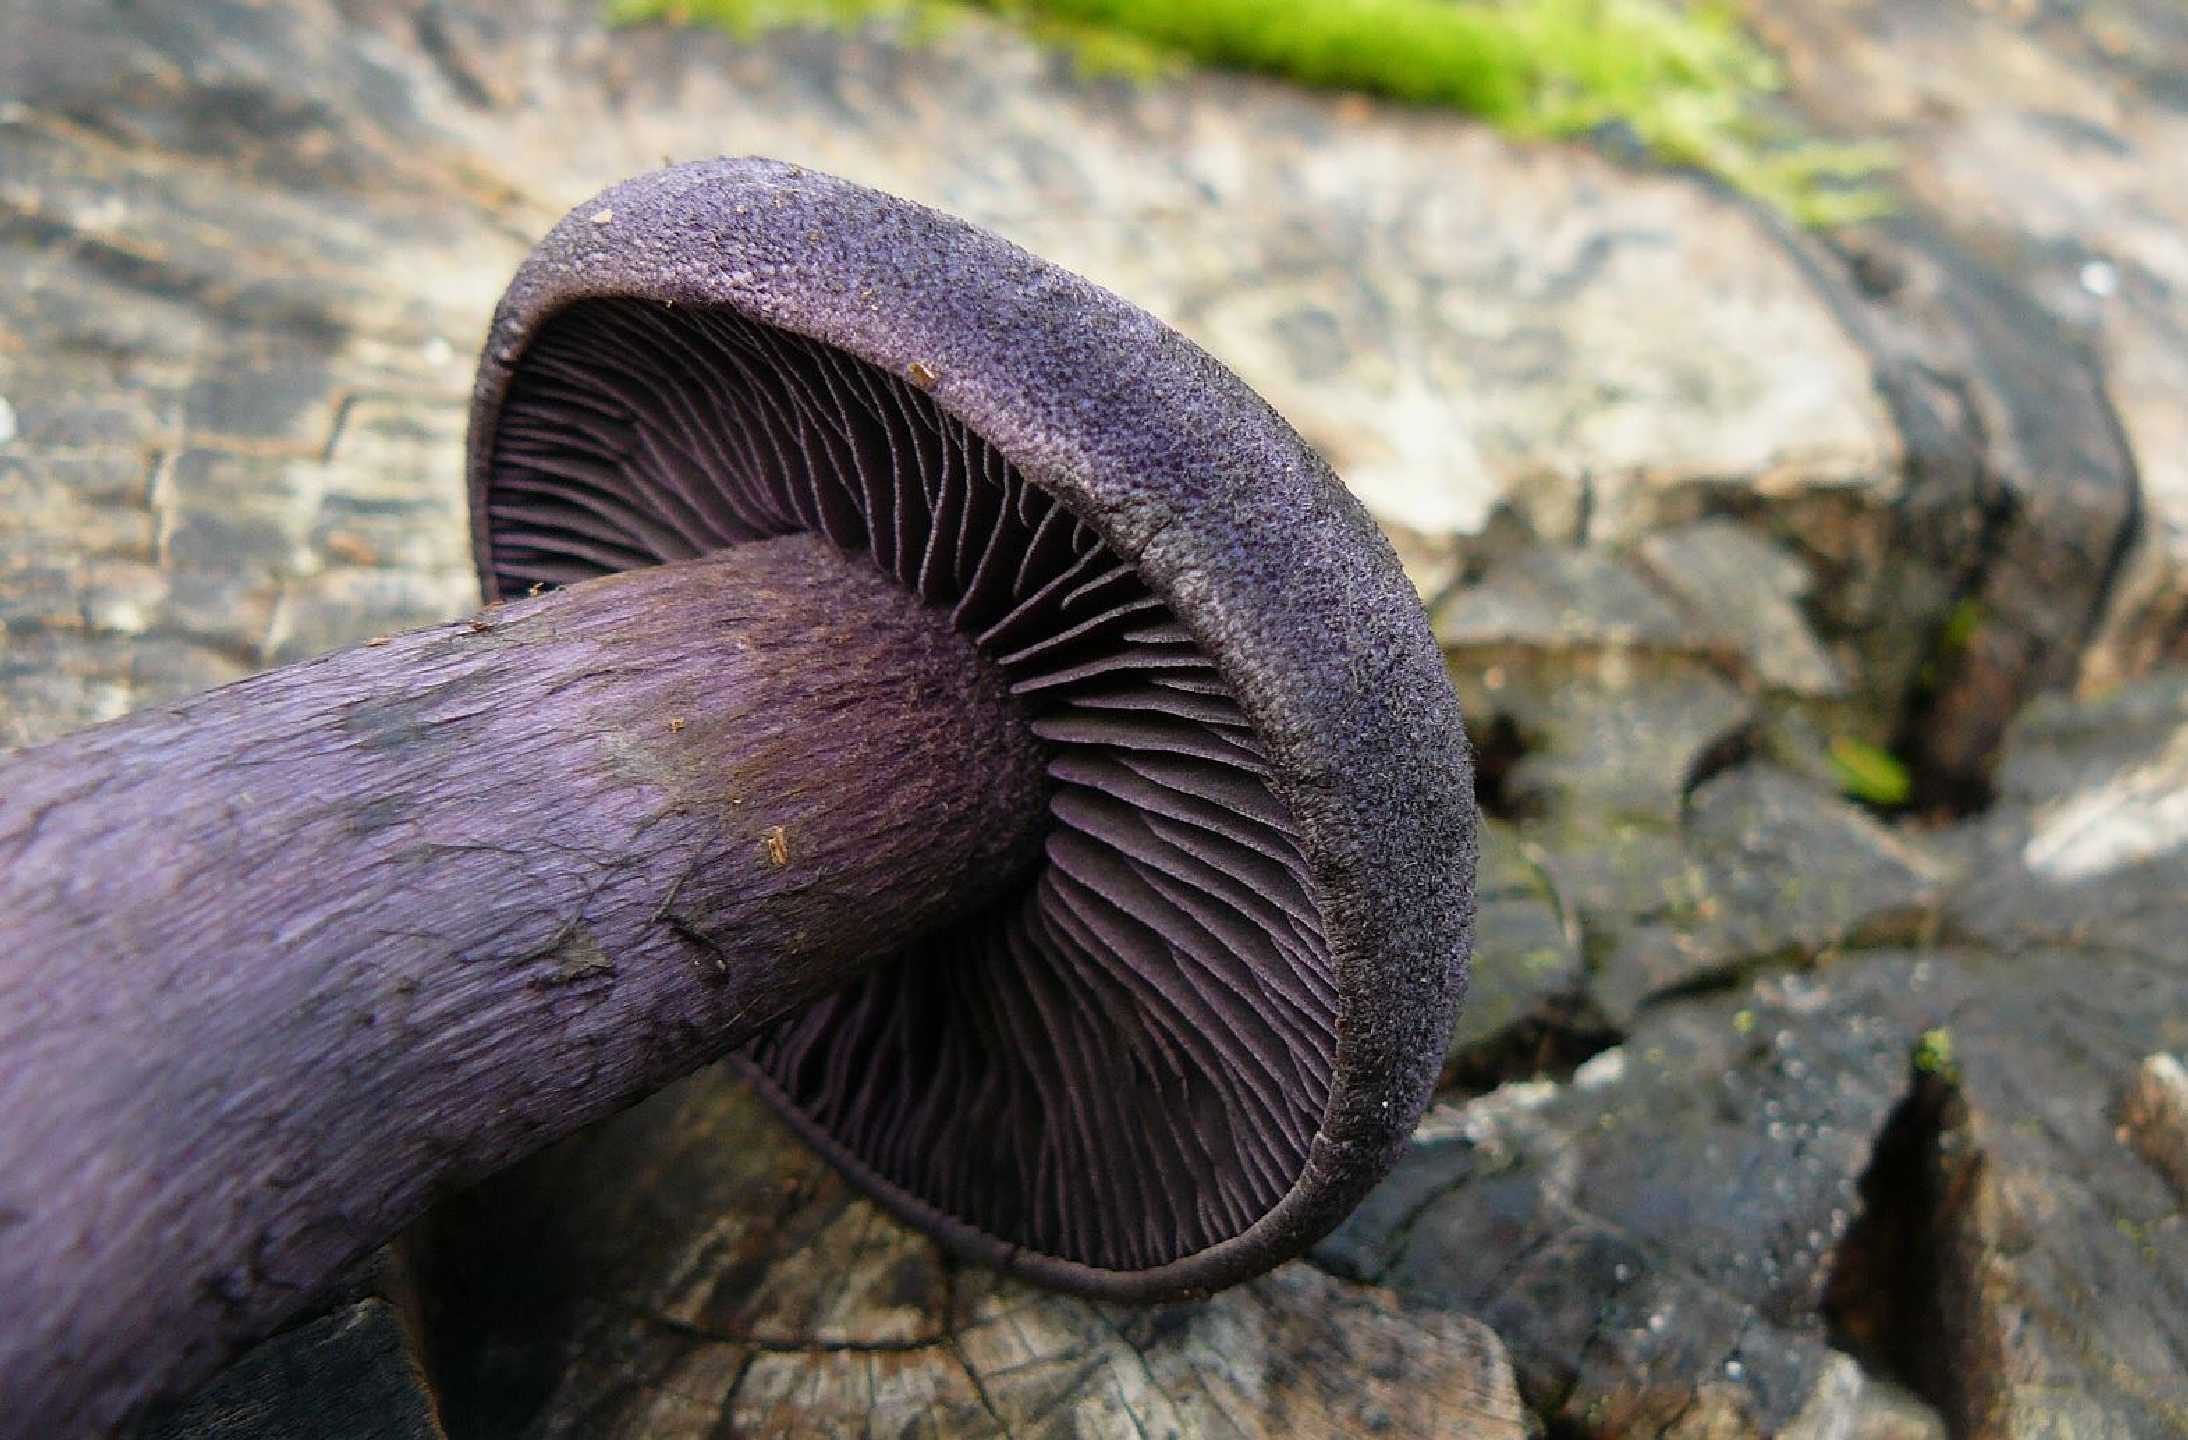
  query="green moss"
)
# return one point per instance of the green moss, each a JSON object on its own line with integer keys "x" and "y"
{"x": 1961, "y": 623}
{"x": 1870, "y": 773}
{"x": 1933, "y": 1055}
{"x": 1542, "y": 961}
{"x": 1683, "y": 80}
{"x": 746, "y": 18}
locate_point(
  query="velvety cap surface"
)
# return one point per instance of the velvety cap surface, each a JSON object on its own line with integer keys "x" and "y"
{"x": 1204, "y": 1028}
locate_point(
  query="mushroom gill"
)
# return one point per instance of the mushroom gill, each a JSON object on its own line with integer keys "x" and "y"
{"x": 1126, "y": 1060}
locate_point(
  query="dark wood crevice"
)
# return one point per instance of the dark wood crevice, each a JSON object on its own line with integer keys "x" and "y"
{"x": 2022, "y": 496}
{"x": 1885, "y": 1300}
{"x": 1499, "y": 747}
{"x": 1548, "y": 1043}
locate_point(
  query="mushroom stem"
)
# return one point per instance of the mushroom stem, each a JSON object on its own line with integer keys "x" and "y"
{"x": 285, "y": 961}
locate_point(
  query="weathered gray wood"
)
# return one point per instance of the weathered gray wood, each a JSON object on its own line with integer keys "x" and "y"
{"x": 348, "y": 1375}
{"x": 2155, "y": 1117}
{"x": 2048, "y": 145}
{"x": 689, "y": 1270}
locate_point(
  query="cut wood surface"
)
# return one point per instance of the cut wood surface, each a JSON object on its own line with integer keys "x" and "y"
{"x": 1770, "y": 1115}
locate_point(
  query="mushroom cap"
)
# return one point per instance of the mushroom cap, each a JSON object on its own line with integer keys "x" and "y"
{"x": 1198, "y": 1036}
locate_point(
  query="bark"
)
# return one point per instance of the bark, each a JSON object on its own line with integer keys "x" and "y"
{"x": 287, "y": 960}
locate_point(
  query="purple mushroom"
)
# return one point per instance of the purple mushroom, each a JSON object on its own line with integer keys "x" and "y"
{"x": 915, "y": 672}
